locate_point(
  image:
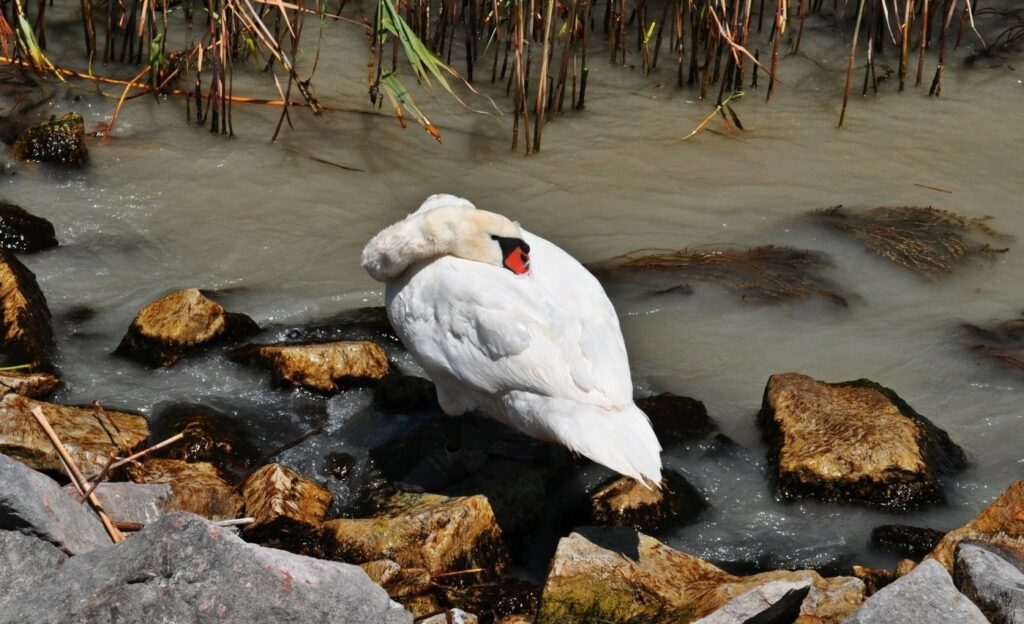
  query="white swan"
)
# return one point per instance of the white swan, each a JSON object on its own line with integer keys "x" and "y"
{"x": 505, "y": 322}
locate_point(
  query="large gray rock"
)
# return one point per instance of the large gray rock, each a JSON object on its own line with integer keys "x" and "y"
{"x": 993, "y": 577}
{"x": 24, "y": 560}
{"x": 131, "y": 503}
{"x": 32, "y": 503}
{"x": 777, "y": 602}
{"x": 184, "y": 570}
{"x": 925, "y": 596}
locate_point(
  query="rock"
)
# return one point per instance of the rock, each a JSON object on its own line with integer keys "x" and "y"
{"x": 505, "y": 597}
{"x": 617, "y": 575}
{"x": 676, "y": 418}
{"x": 992, "y": 577}
{"x": 25, "y": 560}
{"x": 197, "y": 488}
{"x": 324, "y": 367}
{"x": 210, "y": 436}
{"x": 369, "y": 323}
{"x": 874, "y": 578}
{"x": 429, "y": 531}
{"x": 182, "y": 569}
{"x": 1002, "y": 523}
{"x": 24, "y": 232}
{"x": 854, "y": 442}
{"x": 90, "y": 435}
{"x": 925, "y": 596}
{"x": 422, "y": 606}
{"x": 283, "y": 502}
{"x": 905, "y": 567}
{"x": 515, "y": 491}
{"x": 451, "y": 616}
{"x": 179, "y": 323}
{"x": 908, "y": 541}
{"x": 131, "y": 503}
{"x": 399, "y": 582}
{"x": 60, "y": 141}
{"x": 32, "y": 385}
{"x": 339, "y": 465}
{"x": 25, "y": 320}
{"x": 777, "y": 602}
{"x": 32, "y": 503}
{"x": 625, "y": 502}
{"x": 398, "y": 393}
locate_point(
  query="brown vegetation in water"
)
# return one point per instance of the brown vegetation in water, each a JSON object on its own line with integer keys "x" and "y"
{"x": 927, "y": 240}
{"x": 767, "y": 273}
{"x": 1002, "y": 341}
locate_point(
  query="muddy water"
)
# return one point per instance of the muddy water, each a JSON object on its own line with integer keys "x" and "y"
{"x": 278, "y": 234}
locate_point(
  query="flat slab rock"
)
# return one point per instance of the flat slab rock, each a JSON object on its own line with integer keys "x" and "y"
{"x": 131, "y": 503}
{"x": 619, "y": 576}
{"x": 34, "y": 504}
{"x": 24, "y": 232}
{"x": 197, "y": 488}
{"x": 89, "y": 434}
{"x": 924, "y": 596}
{"x": 1001, "y": 523}
{"x": 25, "y": 333}
{"x": 430, "y": 531}
{"x": 184, "y": 570}
{"x": 32, "y": 385}
{"x": 168, "y": 328}
{"x": 854, "y": 442}
{"x": 993, "y": 577}
{"x": 323, "y": 366}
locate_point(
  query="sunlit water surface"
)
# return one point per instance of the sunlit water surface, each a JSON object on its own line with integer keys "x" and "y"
{"x": 164, "y": 206}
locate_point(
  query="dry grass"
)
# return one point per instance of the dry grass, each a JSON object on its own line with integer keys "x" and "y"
{"x": 926, "y": 240}
{"x": 768, "y": 274}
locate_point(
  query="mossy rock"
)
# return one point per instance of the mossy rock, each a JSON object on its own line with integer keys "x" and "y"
{"x": 60, "y": 141}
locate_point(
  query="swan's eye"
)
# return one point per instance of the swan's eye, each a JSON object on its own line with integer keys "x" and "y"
{"x": 515, "y": 254}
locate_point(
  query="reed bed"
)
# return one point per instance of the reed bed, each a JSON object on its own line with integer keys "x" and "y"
{"x": 540, "y": 51}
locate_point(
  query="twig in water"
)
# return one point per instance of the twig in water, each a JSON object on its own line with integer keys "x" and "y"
{"x": 142, "y": 453}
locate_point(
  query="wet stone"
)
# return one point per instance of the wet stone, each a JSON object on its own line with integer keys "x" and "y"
{"x": 503, "y": 598}
{"x": 180, "y": 323}
{"x": 31, "y": 385}
{"x": 908, "y": 541}
{"x": 398, "y": 393}
{"x": 399, "y": 582}
{"x": 438, "y": 533}
{"x": 197, "y": 488}
{"x": 90, "y": 435}
{"x": 339, "y": 465}
{"x": 210, "y": 436}
{"x": 60, "y": 141}
{"x": 676, "y": 418}
{"x": 1001, "y": 523}
{"x": 368, "y": 323}
{"x": 283, "y": 502}
{"x": 874, "y": 578}
{"x": 515, "y": 491}
{"x": 993, "y": 578}
{"x": 26, "y": 336}
{"x": 626, "y": 502}
{"x": 853, "y": 442}
{"x": 21, "y": 231}
{"x": 325, "y": 367}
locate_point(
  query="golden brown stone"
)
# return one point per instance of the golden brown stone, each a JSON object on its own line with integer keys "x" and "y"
{"x": 422, "y": 606}
{"x": 60, "y": 141}
{"x": 166, "y": 329}
{"x": 25, "y": 333}
{"x": 627, "y": 502}
{"x": 399, "y": 582}
{"x": 619, "y": 575}
{"x": 1002, "y": 523}
{"x": 429, "y": 531}
{"x": 91, "y": 436}
{"x": 854, "y": 442}
{"x": 197, "y": 488}
{"x": 905, "y": 567}
{"x": 319, "y": 366}
{"x": 282, "y": 500}
{"x": 32, "y": 385}
{"x": 874, "y": 578}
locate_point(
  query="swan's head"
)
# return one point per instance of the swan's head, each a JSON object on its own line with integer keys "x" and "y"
{"x": 446, "y": 225}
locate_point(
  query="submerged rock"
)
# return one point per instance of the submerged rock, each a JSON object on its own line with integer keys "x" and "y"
{"x": 210, "y": 436}
{"x": 283, "y": 502}
{"x": 197, "y": 488}
{"x": 32, "y": 385}
{"x": 676, "y": 418}
{"x": 182, "y": 569}
{"x": 24, "y": 232}
{"x": 992, "y": 577}
{"x": 430, "y": 531}
{"x": 368, "y": 323}
{"x": 908, "y": 541}
{"x": 515, "y": 491}
{"x": 856, "y": 442}
{"x": 90, "y": 435}
{"x": 1002, "y": 341}
{"x": 60, "y": 141}
{"x": 25, "y": 333}
{"x": 1001, "y": 523}
{"x": 398, "y": 393}
{"x": 32, "y": 503}
{"x": 179, "y": 323}
{"x": 925, "y": 596}
{"x": 325, "y": 367}
{"x": 619, "y": 576}
{"x": 625, "y": 502}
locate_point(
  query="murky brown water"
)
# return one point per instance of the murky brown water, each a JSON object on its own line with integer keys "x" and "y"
{"x": 164, "y": 206}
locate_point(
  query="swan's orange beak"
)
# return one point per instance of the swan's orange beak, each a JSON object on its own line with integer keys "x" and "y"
{"x": 517, "y": 261}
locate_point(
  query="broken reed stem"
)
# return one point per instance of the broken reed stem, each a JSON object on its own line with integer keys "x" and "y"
{"x": 75, "y": 474}
{"x": 127, "y": 460}
{"x": 849, "y": 67}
